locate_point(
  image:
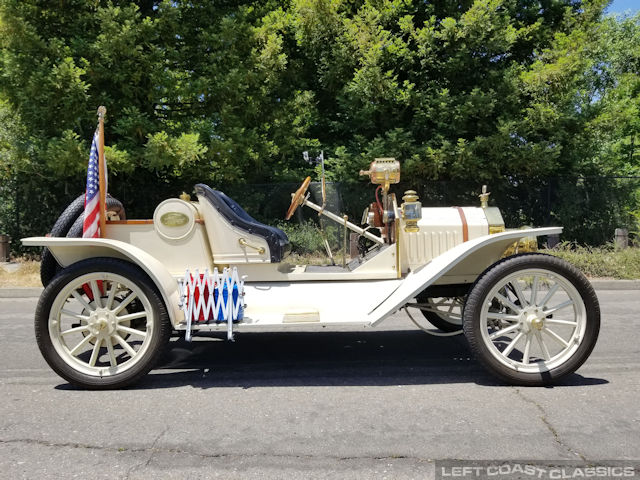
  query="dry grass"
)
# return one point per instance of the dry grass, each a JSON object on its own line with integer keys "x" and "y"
{"x": 316, "y": 258}
{"x": 27, "y": 274}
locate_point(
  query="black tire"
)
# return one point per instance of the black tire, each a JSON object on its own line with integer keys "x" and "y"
{"x": 154, "y": 329}
{"x": 69, "y": 224}
{"x": 487, "y": 314}
{"x": 112, "y": 205}
{"x": 48, "y": 266}
{"x": 438, "y": 321}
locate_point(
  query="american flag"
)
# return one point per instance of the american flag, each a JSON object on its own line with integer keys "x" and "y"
{"x": 91, "y": 225}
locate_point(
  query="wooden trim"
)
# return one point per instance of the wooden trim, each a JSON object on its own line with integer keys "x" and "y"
{"x": 102, "y": 199}
{"x": 129, "y": 222}
{"x": 465, "y": 225}
{"x": 141, "y": 222}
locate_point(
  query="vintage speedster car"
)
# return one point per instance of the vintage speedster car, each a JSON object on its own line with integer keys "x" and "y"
{"x": 111, "y": 303}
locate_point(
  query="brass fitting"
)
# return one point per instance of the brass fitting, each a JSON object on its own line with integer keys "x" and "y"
{"x": 484, "y": 197}
{"x": 494, "y": 217}
{"x": 411, "y": 211}
{"x": 383, "y": 171}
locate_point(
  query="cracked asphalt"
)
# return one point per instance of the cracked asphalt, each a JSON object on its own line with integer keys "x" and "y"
{"x": 338, "y": 403}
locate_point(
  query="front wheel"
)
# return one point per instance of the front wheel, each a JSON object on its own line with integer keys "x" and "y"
{"x": 532, "y": 319}
{"x": 101, "y": 324}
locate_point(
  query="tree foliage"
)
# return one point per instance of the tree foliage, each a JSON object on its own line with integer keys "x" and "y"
{"x": 233, "y": 92}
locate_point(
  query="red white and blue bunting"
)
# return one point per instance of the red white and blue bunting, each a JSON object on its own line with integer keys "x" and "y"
{"x": 212, "y": 297}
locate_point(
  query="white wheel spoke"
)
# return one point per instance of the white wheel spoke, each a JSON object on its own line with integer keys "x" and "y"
{"x": 556, "y": 337}
{"x": 527, "y": 349}
{"x": 519, "y": 294}
{"x": 82, "y": 301}
{"x": 530, "y": 317}
{"x": 552, "y": 291}
{"x": 125, "y": 302}
{"x": 112, "y": 356}
{"x": 534, "y": 290}
{"x": 81, "y": 328}
{"x": 132, "y": 331}
{"x": 101, "y": 323}
{"x": 80, "y": 346}
{"x": 131, "y": 316}
{"x": 507, "y": 303}
{"x": 448, "y": 309}
{"x": 504, "y": 331}
{"x": 502, "y": 316}
{"x": 555, "y": 321}
{"x": 96, "y": 293}
{"x": 543, "y": 346}
{"x": 558, "y": 307}
{"x": 96, "y": 351}
{"x": 129, "y": 349}
{"x": 112, "y": 294}
{"x": 512, "y": 345}
{"x": 74, "y": 315}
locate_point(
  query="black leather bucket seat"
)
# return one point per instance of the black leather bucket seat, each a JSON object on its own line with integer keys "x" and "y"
{"x": 235, "y": 214}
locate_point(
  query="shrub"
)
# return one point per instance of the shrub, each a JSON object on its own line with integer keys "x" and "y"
{"x": 305, "y": 237}
{"x": 605, "y": 261}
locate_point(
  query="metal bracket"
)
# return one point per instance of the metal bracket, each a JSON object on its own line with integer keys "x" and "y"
{"x": 244, "y": 243}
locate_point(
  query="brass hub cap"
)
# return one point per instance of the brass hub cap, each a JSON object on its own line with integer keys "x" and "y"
{"x": 537, "y": 323}
{"x": 532, "y": 318}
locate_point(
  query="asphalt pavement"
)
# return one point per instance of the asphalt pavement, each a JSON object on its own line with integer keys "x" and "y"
{"x": 323, "y": 403}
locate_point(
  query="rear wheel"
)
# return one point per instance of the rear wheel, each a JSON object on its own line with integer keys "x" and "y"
{"x": 532, "y": 319}
{"x": 101, "y": 324}
{"x": 444, "y": 313}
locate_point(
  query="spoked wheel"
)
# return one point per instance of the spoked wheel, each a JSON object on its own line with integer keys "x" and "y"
{"x": 532, "y": 319}
{"x": 101, "y": 324}
{"x": 444, "y": 313}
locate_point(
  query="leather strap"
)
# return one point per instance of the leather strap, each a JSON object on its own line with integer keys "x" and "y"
{"x": 465, "y": 225}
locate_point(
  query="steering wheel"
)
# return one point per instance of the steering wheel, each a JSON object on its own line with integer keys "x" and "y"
{"x": 298, "y": 197}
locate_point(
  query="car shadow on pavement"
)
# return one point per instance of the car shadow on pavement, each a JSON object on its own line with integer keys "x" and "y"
{"x": 320, "y": 358}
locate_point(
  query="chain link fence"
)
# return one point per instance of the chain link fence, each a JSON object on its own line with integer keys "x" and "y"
{"x": 589, "y": 208}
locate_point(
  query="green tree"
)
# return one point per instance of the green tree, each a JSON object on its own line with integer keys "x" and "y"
{"x": 231, "y": 93}
{"x": 615, "y": 80}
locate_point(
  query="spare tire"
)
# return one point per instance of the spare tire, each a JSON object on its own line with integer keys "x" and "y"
{"x": 112, "y": 205}
{"x": 67, "y": 225}
{"x": 49, "y": 267}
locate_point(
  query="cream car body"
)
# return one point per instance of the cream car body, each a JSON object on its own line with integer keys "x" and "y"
{"x": 207, "y": 265}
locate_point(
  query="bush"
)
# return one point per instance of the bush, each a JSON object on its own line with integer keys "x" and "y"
{"x": 605, "y": 261}
{"x": 305, "y": 237}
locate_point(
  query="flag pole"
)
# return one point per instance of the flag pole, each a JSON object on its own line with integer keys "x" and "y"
{"x": 101, "y": 169}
